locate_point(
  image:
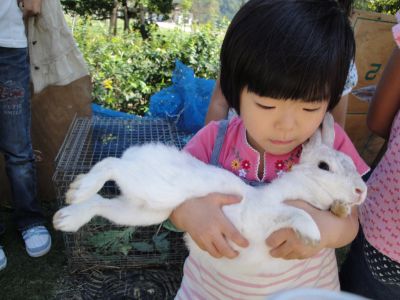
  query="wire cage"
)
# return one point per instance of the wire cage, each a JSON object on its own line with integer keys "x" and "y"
{"x": 101, "y": 244}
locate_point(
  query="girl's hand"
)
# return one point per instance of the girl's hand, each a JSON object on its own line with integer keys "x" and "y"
{"x": 204, "y": 220}
{"x": 286, "y": 244}
{"x": 31, "y": 7}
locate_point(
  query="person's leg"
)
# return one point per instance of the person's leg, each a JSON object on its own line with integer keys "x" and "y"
{"x": 355, "y": 276}
{"x": 15, "y": 138}
{"x": 3, "y": 258}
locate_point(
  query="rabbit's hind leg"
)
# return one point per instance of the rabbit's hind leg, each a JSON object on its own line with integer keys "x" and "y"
{"x": 86, "y": 185}
{"x": 117, "y": 210}
{"x": 74, "y": 216}
{"x": 122, "y": 212}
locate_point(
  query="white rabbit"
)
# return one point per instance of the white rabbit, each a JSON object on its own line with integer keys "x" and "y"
{"x": 155, "y": 178}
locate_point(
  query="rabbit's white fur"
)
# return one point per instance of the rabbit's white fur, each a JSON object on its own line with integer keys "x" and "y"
{"x": 155, "y": 178}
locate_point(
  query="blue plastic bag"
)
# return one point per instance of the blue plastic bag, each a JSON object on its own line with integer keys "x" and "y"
{"x": 186, "y": 101}
{"x": 101, "y": 111}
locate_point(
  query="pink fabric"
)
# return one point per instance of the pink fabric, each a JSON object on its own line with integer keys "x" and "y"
{"x": 380, "y": 213}
{"x": 396, "y": 30}
{"x": 202, "y": 281}
{"x": 241, "y": 159}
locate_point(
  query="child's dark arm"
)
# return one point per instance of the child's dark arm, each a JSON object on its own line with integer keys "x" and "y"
{"x": 386, "y": 101}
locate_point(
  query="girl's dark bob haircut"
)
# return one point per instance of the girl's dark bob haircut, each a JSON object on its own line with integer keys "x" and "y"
{"x": 288, "y": 49}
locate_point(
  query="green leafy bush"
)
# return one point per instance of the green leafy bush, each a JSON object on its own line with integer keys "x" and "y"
{"x": 126, "y": 70}
{"x": 381, "y": 6}
{"x": 385, "y": 6}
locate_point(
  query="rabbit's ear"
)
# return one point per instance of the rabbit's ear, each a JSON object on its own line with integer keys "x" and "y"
{"x": 328, "y": 130}
{"x": 315, "y": 140}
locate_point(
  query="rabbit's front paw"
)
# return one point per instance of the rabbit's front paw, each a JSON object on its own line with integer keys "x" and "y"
{"x": 308, "y": 239}
{"x": 71, "y": 218}
{"x": 308, "y": 232}
{"x": 340, "y": 209}
{"x": 79, "y": 190}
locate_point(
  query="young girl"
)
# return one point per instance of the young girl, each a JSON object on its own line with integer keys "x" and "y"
{"x": 372, "y": 267}
{"x": 283, "y": 65}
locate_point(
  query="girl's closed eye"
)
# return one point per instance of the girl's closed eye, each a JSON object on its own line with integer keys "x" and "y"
{"x": 312, "y": 109}
{"x": 265, "y": 106}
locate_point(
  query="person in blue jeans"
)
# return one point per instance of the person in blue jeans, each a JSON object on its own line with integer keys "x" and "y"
{"x": 15, "y": 119}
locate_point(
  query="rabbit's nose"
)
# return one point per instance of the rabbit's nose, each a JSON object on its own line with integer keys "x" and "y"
{"x": 361, "y": 193}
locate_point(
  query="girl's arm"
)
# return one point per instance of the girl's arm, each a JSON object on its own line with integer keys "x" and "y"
{"x": 386, "y": 101}
{"x": 218, "y": 108}
{"x": 335, "y": 232}
{"x": 204, "y": 220}
{"x": 339, "y": 113}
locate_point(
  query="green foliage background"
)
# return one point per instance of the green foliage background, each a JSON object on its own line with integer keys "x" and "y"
{"x": 126, "y": 70}
{"x": 382, "y": 6}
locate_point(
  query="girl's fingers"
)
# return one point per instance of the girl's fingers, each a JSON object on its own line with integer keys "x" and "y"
{"x": 231, "y": 233}
{"x": 279, "y": 237}
{"x": 213, "y": 251}
{"x": 282, "y": 251}
{"x": 224, "y": 199}
{"x": 223, "y": 248}
{"x": 227, "y": 228}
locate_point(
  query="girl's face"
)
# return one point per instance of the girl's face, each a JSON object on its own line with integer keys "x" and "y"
{"x": 279, "y": 126}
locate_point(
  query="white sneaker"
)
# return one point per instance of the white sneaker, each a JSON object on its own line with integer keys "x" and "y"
{"x": 3, "y": 259}
{"x": 37, "y": 241}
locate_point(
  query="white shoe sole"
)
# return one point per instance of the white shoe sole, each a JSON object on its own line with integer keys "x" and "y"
{"x": 40, "y": 253}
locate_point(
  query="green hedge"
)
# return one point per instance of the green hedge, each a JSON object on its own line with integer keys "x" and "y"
{"x": 127, "y": 70}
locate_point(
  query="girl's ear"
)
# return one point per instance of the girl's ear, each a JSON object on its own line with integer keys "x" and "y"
{"x": 328, "y": 130}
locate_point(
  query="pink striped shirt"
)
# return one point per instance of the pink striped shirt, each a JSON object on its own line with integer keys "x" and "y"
{"x": 201, "y": 280}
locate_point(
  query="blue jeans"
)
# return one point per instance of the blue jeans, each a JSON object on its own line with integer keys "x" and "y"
{"x": 15, "y": 137}
{"x": 355, "y": 276}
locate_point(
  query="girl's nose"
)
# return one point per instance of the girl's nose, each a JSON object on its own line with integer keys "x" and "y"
{"x": 285, "y": 123}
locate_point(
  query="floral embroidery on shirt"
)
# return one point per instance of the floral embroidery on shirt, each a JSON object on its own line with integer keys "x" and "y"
{"x": 282, "y": 166}
{"x": 289, "y": 165}
{"x": 242, "y": 173}
{"x": 239, "y": 165}
{"x": 245, "y": 164}
{"x": 280, "y": 173}
{"x": 235, "y": 164}
{"x": 279, "y": 165}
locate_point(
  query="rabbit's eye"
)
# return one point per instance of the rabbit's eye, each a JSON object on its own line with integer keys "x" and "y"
{"x": 323, "y": 165}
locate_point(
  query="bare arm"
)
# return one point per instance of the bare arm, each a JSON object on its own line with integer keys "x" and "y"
{"x": 335, "y": 232}
{"x": 31, "y": 7}
{"x": 204, "y": 220}
{"x": 340, "y": 111}
{"x": 218, "y": 108}
{"x": 386, "y": 101}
